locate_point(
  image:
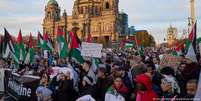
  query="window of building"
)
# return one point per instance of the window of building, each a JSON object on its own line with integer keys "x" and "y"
{"x": 86, "y": 10}
{"x": 90, "y": 10}
{"x": 57, "y": 15}
{"x": 107, "y": 5}
{"x": 96, "y": 11}
{"x": 48, "y": 14}
{"x": 81, "y": 10}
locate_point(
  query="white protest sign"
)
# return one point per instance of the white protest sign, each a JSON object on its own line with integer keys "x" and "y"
{"x": 1, "y": 80}
{"x": 170, "y": 60}
{"x": 91, "y": 49}
{"x": 45, "y": 54}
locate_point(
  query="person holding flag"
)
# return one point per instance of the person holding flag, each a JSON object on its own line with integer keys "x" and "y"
{"x": 20, "y": 47}
{"x": 62, "y": 44}
{"x": 30, "y": 53}
{"x": 191, "y": 53}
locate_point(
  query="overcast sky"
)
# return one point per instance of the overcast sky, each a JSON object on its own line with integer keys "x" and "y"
{"x": 152, "y": 15}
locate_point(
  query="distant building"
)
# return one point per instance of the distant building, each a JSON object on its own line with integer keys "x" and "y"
{"x": 100, "y": 18}
{"x": 123, "y": 17}
{"x": 171, "y": 35}
{"x": 131, "y": 30}
{"x": 142, "y": 37}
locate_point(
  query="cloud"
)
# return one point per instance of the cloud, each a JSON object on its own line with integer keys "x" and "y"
{"x": 20, "y": 7}
{"x": 26, "y": 23}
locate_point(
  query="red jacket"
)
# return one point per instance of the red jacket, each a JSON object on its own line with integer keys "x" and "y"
{"x": 148, "y": 95}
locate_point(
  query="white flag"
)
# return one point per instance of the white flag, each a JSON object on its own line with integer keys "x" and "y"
{"x": 21, "y": 56}
{"x": 191, "y": 54}
{"x": 6, "y": 53}
{"x": 27, "y": 59}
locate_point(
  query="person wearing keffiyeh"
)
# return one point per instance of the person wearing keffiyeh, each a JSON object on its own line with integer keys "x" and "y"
{"x": 170, "y": 88}
{"x": 117, "y": 91}
{"x": 144, "y": 88}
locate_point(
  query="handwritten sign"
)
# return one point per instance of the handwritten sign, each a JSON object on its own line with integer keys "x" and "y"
{"x": 91, "y": 49}
{"x": 170, "y": 60}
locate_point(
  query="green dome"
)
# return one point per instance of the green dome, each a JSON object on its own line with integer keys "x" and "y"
{"x": 52, "y": 2}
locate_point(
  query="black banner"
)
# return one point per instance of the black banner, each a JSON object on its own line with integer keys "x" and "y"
{"x": 21, "y": 88}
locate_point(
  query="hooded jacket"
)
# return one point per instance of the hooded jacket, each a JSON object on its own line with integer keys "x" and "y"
{"x": 114, "y": 94}
{"x": 148, "y": 95}
{"x": 65, "y": 90}
{"x": 191, "y": 71}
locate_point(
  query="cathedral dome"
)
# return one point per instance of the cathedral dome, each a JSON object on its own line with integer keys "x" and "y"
{"x": 52, "y": 2}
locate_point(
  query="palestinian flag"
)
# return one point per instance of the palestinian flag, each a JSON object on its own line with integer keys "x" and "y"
{"x": 30, "y": 53}
{"x": 62, "y": 44}
{"x": 75, "y": 48}
{"x": 140, "y": 47}
{"x": 66, "y": 36}
{"x": 1, "y": 45}
{"x": 20, "y": 47}
{"x": 179, "y": 48}
{"x": 199, "y": 40}
{"x": 141, "y": 50}
{"x": 187, "y": 44}
{"x": 192, "y": 35}
{"x": 9, "y": 50}
{"x": 199, "y": 45}
{"x": 47, "y": 42}
{"x": 40, "y": 42}
{"x": 191, "y": 54}
{"x": 128, "y": 45}
{"x": 68, "y": 40}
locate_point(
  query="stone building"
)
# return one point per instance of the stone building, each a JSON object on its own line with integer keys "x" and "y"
{"x": 171, "y": 36}
{"x": 100, "y": 18}
{"x": 123, "y": 18}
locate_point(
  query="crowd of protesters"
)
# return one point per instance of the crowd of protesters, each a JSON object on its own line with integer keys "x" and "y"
{"x": 117, "y": 77}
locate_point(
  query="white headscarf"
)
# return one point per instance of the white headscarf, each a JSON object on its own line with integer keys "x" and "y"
{"x": 172, "y": 81}
{"x": 65, "y": 70}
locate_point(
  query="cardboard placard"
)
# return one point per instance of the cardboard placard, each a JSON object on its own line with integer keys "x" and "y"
{"x": 170, "y": 60}
{"x": 91, "y": 49}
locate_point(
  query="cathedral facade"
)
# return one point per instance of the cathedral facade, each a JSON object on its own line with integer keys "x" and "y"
{"x": 172, "y": 36}
{"x": 99, "y": 18}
